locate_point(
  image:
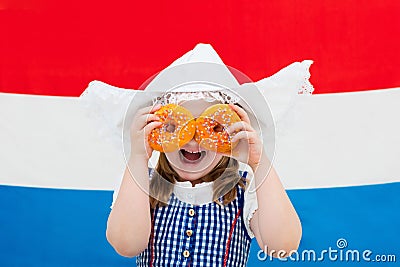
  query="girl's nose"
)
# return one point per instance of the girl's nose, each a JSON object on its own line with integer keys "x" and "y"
{"x": 193, "y": 142}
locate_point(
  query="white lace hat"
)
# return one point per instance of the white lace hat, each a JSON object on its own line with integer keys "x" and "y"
{"x": 201, "y": 73}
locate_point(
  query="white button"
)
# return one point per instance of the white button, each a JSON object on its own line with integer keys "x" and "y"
{"x": 191, "y": 212}
{"x": 189, "y": 232}
{"x": 186, "y": 253}
{"x": 190, "y": 196}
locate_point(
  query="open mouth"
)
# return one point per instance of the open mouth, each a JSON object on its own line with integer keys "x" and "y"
{"x": 192, "y": 156}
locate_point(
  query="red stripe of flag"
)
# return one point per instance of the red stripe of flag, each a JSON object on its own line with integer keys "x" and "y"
{"x": 58, "y": 47}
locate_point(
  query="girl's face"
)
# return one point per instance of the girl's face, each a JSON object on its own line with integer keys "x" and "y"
{"x": 192, "y": 162}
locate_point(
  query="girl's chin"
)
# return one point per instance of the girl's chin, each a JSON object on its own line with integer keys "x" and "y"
{"x": 191, "y": 172}
{"x": 190, "y": 176}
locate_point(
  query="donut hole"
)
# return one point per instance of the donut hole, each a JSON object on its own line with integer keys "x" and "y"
{"x": 170, "y": 126}
{"x": 218, "y": 128}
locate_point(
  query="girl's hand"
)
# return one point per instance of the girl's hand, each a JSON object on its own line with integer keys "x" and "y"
{"x": 142, "y": 124}
{"x": 249, "y": 149}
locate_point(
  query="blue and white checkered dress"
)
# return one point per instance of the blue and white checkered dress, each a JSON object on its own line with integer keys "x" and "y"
{"x": 198, "y": 235}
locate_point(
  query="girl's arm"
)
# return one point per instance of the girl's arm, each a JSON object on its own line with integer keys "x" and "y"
{"x": 275, "y": 223}
{"x": 129, "y": 223}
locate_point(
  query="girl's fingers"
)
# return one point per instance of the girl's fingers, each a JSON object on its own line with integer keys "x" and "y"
{"x": 149, "y": 127}
{"x": 143, "y": 120}
{"x": 149, "y": 109}
{"x": 239, "y": 126}
{"x": 241, "y": 112}
{"x": 251, "y": 137}
{"x": 151, "y": 117}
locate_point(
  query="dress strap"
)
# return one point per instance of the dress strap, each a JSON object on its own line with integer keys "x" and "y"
{"x": 243, "y": 174}
{"x": 240, "y": 191}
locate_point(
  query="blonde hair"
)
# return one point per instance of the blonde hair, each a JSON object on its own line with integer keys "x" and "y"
{"x": 226, "y": 170}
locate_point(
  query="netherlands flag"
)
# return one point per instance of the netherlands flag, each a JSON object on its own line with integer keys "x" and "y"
{"x": 339, "y": 161}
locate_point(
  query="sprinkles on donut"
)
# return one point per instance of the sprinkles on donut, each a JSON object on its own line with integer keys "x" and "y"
{"x": 179, "y": 127}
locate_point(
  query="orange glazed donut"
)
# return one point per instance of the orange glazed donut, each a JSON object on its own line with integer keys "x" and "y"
{"x": 211, "y": 128}
{"x": 178, "y": 128}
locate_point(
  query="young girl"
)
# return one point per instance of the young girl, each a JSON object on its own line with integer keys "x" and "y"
{"x": 198, "y": 208}
{"x": 178, "y": 233}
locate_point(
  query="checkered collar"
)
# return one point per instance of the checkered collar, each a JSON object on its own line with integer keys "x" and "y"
{"x": 200, "y": 194}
